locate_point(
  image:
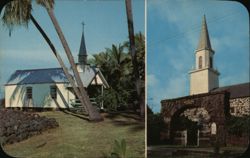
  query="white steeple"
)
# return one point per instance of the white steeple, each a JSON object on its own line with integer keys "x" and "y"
{"x": 204, "y": 77}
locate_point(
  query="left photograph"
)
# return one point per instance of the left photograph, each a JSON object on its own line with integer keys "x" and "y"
{"x": 72, "y": 78}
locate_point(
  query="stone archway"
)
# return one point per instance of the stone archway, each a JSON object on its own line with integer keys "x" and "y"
{"x": 216, "y": 104}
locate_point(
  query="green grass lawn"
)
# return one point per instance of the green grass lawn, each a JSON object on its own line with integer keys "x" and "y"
{"x": 76, "y": 137}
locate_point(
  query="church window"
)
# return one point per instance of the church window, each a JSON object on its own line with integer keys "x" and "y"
{"x": 200, "y": 62}
{"x": 29, "y": 92}
{"x": 53, "y": 91}
{"x": 211, "y": 62}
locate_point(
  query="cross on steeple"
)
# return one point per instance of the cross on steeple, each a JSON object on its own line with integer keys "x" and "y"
{"x": 83, "y": 26}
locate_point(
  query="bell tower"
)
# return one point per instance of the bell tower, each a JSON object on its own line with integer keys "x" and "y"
{"x": 203, "y": 77}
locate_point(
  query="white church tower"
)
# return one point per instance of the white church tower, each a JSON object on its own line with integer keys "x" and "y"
{"x": 203, "y": 78}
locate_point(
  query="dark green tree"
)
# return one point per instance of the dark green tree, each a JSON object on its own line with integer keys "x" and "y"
{"x": 115, "y": 64}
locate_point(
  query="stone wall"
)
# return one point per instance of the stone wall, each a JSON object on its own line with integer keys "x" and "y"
{"x": 240, "y": 106}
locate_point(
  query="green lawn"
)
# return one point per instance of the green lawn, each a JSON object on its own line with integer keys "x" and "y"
{"x": 76, "y": 137}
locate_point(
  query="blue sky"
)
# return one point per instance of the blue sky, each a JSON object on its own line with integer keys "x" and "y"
{"x": 173, "y": 29}
{"x": 106, "y": 24}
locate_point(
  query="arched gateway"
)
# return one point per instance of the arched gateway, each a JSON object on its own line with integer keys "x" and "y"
{"x": 215, "y": 103}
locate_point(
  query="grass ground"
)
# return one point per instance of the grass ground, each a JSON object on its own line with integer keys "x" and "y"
{"x": 76, "y": 137}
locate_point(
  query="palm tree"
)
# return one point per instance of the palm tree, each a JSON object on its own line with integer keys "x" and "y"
{"x": 19, "y": 13}
{"x": 102, "y": 60}
{"x": 138, "y": 83}
{"x": 120, "y": 64}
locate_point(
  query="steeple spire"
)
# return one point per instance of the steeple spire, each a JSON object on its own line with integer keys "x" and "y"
{"x": 82, "y": 56}
{"x": 204, "y": 42}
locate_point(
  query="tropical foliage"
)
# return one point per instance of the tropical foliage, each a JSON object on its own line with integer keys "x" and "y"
{"x": 116, "y": 66}
{"x": 119, "y": 150}
{"x": 238, "y": 125}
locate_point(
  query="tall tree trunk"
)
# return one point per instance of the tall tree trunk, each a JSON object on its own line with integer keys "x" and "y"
{"x": 140, "y": 97}
{"x": 94, "y": 114}
{"x": 58, "y": 57}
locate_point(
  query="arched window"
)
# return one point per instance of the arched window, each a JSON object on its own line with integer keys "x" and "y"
{"x": 200, "y": 62}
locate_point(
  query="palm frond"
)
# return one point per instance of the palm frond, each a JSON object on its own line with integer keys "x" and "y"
{"x": 17, "y": 13}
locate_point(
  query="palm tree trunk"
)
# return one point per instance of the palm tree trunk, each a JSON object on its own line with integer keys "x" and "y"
{"x": 94, "y": 114}
{"x": 58, "y": 57}
{"x": 140, "y": 97}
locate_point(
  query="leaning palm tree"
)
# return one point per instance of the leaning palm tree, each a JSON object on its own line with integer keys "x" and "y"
{"x": 19, "y": 13}
{"x": 94, "y": 115}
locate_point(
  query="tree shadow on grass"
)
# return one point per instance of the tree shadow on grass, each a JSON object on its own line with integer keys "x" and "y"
{"x": 127, "y": 114}
{"x": 127, "y": 118}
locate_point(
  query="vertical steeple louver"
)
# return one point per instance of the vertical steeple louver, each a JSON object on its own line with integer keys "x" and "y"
{"x": 204, "y": 42}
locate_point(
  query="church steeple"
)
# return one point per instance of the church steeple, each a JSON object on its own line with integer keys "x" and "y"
{"x": 82, "y": 56}
{"x": 203, "y": 78}
{"x": 204, "y": 42}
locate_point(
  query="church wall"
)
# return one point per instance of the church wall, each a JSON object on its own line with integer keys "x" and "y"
{"x": 15, "y": 96}
{"x": 240, "y": 106}
{"x": 213, "y": 80}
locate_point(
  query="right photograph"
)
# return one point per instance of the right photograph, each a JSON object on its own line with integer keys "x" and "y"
{"x": 198, "y": 88}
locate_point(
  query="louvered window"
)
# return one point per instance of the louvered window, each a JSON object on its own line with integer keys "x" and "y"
{"x": 211, "y": 62}
{"x": 200, "y": 62}
{"x": 29, "y": 92}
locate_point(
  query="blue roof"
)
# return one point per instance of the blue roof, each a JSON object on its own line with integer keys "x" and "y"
{"x": 52, "y": 75}
{"x": 34, "y": 76}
